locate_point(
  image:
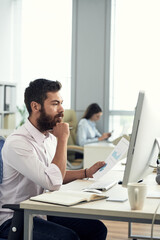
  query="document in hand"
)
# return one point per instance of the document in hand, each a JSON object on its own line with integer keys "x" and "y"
{"x": 120, "y": 149}
{"x": 68, "y": 197}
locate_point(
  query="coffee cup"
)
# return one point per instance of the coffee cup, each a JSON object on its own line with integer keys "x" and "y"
{"x": 137, "y": 194}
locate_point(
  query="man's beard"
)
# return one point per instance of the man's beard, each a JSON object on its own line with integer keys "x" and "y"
{"x": 46, "y": 122}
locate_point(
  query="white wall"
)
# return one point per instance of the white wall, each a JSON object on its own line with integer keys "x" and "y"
{"x": 90, "y": 56}
{"x": 5, "y": 39}
{"x": 90, "y": 51}
{"x": 10, "y": 38}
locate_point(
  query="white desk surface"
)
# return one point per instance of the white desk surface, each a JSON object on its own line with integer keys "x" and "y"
{"x": 101, "y": 209}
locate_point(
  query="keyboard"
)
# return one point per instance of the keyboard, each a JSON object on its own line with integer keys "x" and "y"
{"x": 102, "y": 186}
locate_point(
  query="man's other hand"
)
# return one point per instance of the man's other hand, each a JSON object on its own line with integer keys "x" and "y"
{"x": 90, "y": 171}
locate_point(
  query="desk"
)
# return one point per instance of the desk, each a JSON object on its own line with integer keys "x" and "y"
{"x": 94, "y": 210}
{"x": 96, "y": 152}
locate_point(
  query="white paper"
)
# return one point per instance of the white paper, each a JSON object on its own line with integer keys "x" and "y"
{"x": 120, "y": 149}
{"x": 153, "y": 194}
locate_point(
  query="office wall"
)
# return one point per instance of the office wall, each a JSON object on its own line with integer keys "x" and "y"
{"x": 5, "y": 39}
{"x": 90, "y": 56}
{"x": 10, "y": 39}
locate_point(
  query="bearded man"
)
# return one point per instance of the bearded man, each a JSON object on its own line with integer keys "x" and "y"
{"x": 34, "y": 160}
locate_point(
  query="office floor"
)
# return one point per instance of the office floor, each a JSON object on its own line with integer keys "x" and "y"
{"x": 119, "y": 230}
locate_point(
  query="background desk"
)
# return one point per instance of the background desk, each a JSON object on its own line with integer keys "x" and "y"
{"x": 100, "y": 209}
{"x": 96, "y": 152}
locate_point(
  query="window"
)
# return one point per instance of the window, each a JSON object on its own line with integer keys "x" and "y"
{"x": 135, "y": 56}
{"x": 46, "y": 43}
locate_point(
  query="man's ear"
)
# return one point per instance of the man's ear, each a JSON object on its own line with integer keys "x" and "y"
{"x": 35, "y": 106}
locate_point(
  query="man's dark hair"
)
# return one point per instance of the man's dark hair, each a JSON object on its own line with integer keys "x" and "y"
{"x": 37, "y": 91}
{"x": 92, "y": 109}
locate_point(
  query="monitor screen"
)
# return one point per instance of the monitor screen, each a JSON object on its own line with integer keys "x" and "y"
{"x": 142, "y": 150}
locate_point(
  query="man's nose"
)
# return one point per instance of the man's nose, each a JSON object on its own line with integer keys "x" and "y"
{"x": 61, "y": 109}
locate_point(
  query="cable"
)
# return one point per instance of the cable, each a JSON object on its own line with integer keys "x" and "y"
{"x": 152, "y": 166}
{"x": 153, "y": 220}
{"x": 157, "y": 141}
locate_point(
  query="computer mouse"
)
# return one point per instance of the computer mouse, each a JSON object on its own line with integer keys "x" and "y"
{"x": 120, "y": 182}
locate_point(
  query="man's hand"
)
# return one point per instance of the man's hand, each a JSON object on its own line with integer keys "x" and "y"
{"x": 61, "y": 131}
{"x": 90, "y": 171}
{"x": 72, "y": 175}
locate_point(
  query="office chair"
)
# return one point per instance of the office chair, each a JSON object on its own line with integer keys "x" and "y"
{"x": 16, "y": 229}
{"x": 73, "y": 161}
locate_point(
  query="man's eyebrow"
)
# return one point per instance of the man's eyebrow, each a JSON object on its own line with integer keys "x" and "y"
{"x": 57, "y": 101}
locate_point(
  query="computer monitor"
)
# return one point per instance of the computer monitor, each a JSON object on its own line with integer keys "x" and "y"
{"x": 143, "y": 151}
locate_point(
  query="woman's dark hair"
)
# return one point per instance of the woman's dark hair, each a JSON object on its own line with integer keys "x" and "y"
{"x": 92, "y": 109}
{"x": 37, "y": 91}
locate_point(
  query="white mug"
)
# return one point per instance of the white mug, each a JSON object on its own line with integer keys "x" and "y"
{"x": 136, "y": 194}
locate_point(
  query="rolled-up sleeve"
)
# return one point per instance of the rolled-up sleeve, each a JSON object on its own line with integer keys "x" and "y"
{"x": 54, "y": 176}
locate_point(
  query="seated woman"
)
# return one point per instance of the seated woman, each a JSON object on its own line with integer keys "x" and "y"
{"x": 87, "y": 131}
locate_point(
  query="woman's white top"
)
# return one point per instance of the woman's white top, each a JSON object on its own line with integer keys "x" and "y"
{"x": 87, "y": 132}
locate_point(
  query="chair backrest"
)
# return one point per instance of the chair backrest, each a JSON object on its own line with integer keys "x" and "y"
{"x": 18, "y": 216}
{"x": 70, "y": 117}
{"x": 1, "y": 164}
{"x": 2, "y": 140}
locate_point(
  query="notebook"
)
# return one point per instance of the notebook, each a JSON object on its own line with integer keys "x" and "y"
{"x": 68, "y": 197}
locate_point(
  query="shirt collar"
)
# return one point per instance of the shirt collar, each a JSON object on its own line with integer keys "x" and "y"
{"x": 35, "y": 133}
{"x": 92, "y": 123}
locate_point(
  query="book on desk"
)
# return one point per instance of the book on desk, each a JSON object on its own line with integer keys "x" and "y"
{"x": 68, "y": 197}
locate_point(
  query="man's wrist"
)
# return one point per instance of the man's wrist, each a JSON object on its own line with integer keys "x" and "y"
{"x": 85, "y": 172}
{"x": 62, "y": 139}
